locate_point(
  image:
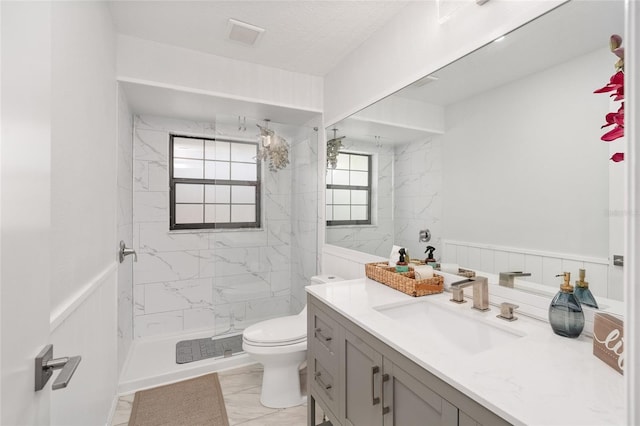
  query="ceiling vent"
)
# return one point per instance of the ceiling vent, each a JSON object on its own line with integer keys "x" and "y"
{"x": 244, "y": 33}
{"x": 425, "y": 80}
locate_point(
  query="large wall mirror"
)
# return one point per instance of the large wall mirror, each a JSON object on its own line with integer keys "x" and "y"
{"x": 498, "y": 155}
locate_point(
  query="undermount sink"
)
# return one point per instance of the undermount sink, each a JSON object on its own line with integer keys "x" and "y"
{"x": 468, "y": 332}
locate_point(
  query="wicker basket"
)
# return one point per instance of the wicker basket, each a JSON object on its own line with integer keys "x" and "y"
{"x": 404, "y": 281}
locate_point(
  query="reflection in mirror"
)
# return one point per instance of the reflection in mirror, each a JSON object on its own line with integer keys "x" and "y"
{"x": 499, "y": 156}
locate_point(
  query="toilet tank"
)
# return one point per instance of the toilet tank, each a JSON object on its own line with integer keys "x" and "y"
{"x": 323, "y": 279}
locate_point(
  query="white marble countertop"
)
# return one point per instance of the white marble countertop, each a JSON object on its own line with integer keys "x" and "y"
{"x": 537, "y": 379}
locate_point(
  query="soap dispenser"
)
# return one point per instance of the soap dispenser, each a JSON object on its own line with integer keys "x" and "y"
{"x": 430, "y": 260}
{"x": 401, "y": 264}
{"x": 565, "y": 312}
{"x": 583, "y": 293}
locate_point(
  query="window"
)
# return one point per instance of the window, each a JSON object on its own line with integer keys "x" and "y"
{"x": 214, "y": 183}
{"x": 349, "y": 190}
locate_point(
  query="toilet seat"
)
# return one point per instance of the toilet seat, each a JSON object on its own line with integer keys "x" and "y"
{"x": 282, "y": 331}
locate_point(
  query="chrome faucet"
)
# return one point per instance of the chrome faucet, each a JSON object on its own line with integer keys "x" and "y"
{"x": 480, "y": 292}
{"x": 506, "y": 278}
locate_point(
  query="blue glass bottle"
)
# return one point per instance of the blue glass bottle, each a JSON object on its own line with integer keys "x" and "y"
{"x": 565, "y": 312}
{"x": 583, "y": 293}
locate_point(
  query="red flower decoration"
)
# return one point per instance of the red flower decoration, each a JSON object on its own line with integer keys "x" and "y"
{"x": 617, "y": 157}
{"x": 616, "y": 86}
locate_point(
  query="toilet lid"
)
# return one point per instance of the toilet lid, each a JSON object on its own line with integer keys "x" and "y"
{"x": 278, "y": 331}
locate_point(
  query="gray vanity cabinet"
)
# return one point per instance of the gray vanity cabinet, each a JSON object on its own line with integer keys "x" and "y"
{"x": 363, "y": 399}
{"x": 360, "y": 381}
{"x": 410, "y": 402}
{"x": 379, "y": 393}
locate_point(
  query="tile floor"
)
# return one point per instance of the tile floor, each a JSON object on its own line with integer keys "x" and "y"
{"x": 241, "y": 389}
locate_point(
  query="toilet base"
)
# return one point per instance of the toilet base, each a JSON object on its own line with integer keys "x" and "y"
{"x": 281, "y": 386}
{"x": 281, "y": 373}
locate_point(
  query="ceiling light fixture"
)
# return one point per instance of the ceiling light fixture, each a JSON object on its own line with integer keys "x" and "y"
{"x": 273, "y": 148}
{"x": 244, "y": 33}
{"x": 333, "y": 149}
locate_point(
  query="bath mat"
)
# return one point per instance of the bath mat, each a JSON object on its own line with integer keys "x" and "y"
{"x": 197, "y": 401}
{"x": 197, "y": 349}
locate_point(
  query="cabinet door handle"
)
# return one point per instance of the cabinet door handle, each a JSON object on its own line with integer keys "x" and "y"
{"x": 319, "y": 380}
{"x": 322, "y": 336}
{"x": 385, "y": 378}
{"x": 374, "y": 399}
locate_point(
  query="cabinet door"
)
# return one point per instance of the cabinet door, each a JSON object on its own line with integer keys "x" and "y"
{"x": 363, "y": 383}
{"x": 466, "y": 420}
{"x": 411, "y": 403}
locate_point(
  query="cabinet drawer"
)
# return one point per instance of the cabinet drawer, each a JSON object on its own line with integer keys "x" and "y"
{"x": 323, "y": 384}
{"x": 324, "y": 333}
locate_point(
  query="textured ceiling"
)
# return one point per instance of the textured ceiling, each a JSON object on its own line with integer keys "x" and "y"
{"x": 305, "y": 36}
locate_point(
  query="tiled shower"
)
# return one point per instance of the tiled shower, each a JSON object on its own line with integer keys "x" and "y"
{"x": 223, "y": 280}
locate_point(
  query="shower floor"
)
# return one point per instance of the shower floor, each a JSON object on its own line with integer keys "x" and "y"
{"x": 152, "y": 362}
{"x": 198, "y": 349}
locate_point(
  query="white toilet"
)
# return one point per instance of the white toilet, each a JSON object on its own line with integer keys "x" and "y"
{"x": 280, "y": 345}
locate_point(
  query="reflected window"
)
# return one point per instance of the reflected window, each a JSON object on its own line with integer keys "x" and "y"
{"x": 214, "y": 183}
{"x": 349, "y": 190}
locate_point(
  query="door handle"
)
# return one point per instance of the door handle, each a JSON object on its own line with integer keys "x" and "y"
{"x": 385, "y": 378}
{"x": 318, "y": 332}
{"x": 321, "y": 382}
{"x": 45, "y": 364}
{"x": 375, "y": 400}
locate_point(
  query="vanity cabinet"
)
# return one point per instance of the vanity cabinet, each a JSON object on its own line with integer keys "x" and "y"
{"x": 360, "y": 381}
{"x": 363, "y": 383}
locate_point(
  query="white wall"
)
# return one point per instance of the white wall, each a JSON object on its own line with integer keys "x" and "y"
{"x": 413, "y": 45}
{"x": 161, "y": 64}
{"x": 521, "y": 170}
{"x": 88, "y": 330}
{"x": 83, "y": 191}
{"x": 346, "y": 263}
{"x": 125, "y": 226}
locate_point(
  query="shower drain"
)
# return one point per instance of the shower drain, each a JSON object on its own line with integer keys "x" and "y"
{"x": 197, "y": 349}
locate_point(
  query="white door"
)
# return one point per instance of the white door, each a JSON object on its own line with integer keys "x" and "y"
{"x": 25, "y": 179}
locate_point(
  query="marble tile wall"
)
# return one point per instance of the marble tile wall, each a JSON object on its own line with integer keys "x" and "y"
{"x": 219, "y": 280}
{"x": 125, "y": 226}
{"x": 378, "y": 237}
{"x": 418, "y": 198}
{"x": 304, "y": 217}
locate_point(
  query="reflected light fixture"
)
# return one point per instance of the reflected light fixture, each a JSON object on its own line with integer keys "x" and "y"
{"x": 333, "y": 149}
{"x": 499, "y": 39}
{"x": 273, "y": 148}
{"x": 378, "y": 142}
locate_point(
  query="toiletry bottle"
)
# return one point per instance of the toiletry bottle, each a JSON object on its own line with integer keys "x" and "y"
{"x": 565, "y": 313}
{"x": 583, "y": 293}
{"x": 401, "y": 264}
{"x": 430, "y": 260}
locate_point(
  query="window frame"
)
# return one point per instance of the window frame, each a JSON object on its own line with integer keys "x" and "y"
{"x": 368, "y": 188}
{"x": 202, "y": 181}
